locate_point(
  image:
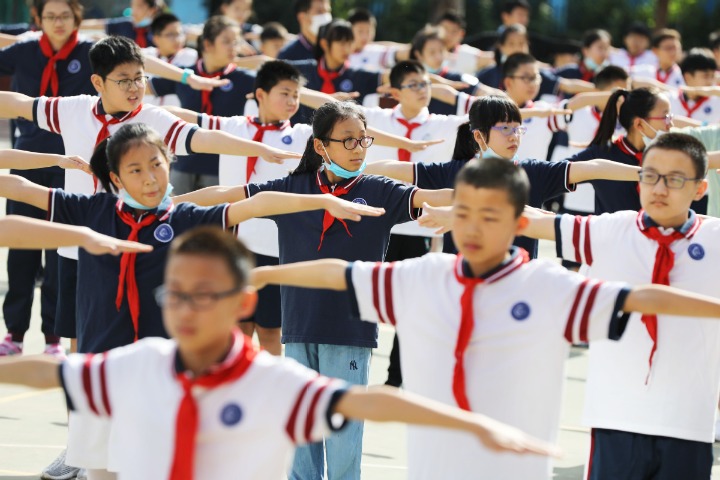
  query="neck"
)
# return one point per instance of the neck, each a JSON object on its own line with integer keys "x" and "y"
{"x": 200, "y": 361}
{"x": 57, "y": 43}
{"x": 673, "y": 222}
{"x": 520, "y": 102}
{"x": 410, "y": 112}
{"x": 482, "y": 267}
{"x": 211, "y": 66}
{"x": 666, "y": 66}
{"x": 332, "y": 178}
{"x": 692, "y": 96}
{"x": 265, "y": 117}
{"x": 635, "y": 139}
{"x": 331, "y": 64}
{"x": 309, "y": 36}
{"x": 166, "y": 54}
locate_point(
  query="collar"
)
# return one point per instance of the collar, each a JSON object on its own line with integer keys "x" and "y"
{"x": 201, "y": 68}
{"x": 517, "y": 258}
{"x": 321, "y": 179}
{"x": 235, "y": 350}
{"x": 100, "y": 110}
{"x": 421, "y": 117}
{"x": 688, "y": 229}
{"x": 339, "y": 71}
{"x": 281, "y": 125}
{"x": 305, "y": 42}
{"x": 162, "y": 215}
{"x": 626, "y": 148}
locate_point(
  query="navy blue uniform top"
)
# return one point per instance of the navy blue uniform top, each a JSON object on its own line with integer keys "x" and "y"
{"x": 100, "y": 325}
{"x": 547, "y": 180}
{"x": 492, "y": 77}
{"x": 298, "y": 49}
{"x": 227, "y": 101}
{"x": 126, "y": 28}
{"x": 16, "y": 28}
{"x": 441, "y": 108}
{"x": 25, "y": 61}
{"x": 325, "y": 316}
{"x": 350, "y": 80}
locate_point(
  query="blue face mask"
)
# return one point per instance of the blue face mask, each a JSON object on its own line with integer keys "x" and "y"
{"x": 145, "y": 22}
{"x": 131, "y": 202}
{"x": 490, "y": 153}
{"x": 593, "y": 66}
{"x": 340, "y": 171}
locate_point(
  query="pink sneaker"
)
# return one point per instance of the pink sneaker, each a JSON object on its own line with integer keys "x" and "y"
{"x": 56, "y": 350}
{"x": 8, "y": 347}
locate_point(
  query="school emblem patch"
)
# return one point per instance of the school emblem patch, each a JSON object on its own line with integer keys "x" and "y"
{"x": 361, "y": 201}
{"x": 164, "y": 233}
{"x": 74, "y": 66}
{"x": 287, "y": 139}
{"x": 231, "y": 414}
{"x": 520, "y": 311}
{"x": 228, "y": 87}
{"x": 696, "y": 251}
{"x": 346, "y": 85}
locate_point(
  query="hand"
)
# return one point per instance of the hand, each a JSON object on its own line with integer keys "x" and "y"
{"x": 343, "y": 96}
{"x": 244, "y": 49}
{"x": 499, "y": 437}
{"x": 197, "y": 82}
{"x": 73, "y": 162}
{"x": 275, "y": 155}
{"x": 339, "y": 208}
{"x": 439, "y": 218}
{"x": 384, "y": 89}
{"x": 255, "y": 279}
{"x": 420, "y": 145}
{"x": 99, "y": 244}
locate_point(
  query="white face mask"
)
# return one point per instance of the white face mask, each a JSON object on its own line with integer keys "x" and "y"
{"x": 658, "y": 133}
{"x": 318, "y": 21}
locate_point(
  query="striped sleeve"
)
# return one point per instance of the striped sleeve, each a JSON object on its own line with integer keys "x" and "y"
{"x": 60, "y": 114}
{"x": 176, "y": 133}
{"x": 47, "y": 113}
{"x": 370, "y": 285}
{"x": 312, "y": 415}
{"x": 596, "y": 310}
{"x": 85, "y": 382}
{"x": 573, "y": 238}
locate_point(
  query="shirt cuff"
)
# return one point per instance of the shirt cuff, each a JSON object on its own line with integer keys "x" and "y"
{"x": 619, "y": 320}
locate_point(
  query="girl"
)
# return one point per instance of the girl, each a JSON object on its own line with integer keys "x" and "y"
{"x": 217, "y": 50}
{"x": 137, "y": 27}
{"x": 596, "y": 45}
{"x": 495, "y": 130}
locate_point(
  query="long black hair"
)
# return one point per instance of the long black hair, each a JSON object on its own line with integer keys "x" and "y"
{"x": 108, "y": 153}
{"x": 324, "y": 120}
{"x": 636, "y": 103}
{"x": 336, "y": 31}
{"x": 484, "y": 113}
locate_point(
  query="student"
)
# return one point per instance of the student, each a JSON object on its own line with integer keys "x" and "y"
{"x": 191, "y": 172}
{"x": 137, "y": 27}
{"x": 667, "y": 47}
{"x": 698, "y": 71}
{"x": 266, "y": 405}
{"x": 516, "y": 12}
{"x": 485, "y": 333}
{"x": 241, "y": 11}
{"x": 650, "y": 408}
{"x": 495, "y": 130}
{"x": 636, "y": 52}
{"x": 596, "y": 45}
{"x": 461, "y": 57}
{"x": 169, "y": 40}
{"x": 272, "y": 39}
{"x": 311, "y": 15}
{"x": 367, "y": 55}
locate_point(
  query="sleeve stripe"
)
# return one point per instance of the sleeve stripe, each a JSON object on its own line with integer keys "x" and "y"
{"x": 588, "y": 309}
{"x": 103, "y": 386}
{"x": 51, "y": 205}
{"x": 290, "y": 427}
{"x": 415, "y": 174}
{"x": 56, "y": 114}
{"x": 171, "y": 130}
{"x": 310, "y": 421}
{"x": 411, "y": 203}
{"x": 87, "y": 383}
{"x": 588, "y": 247}
{"x": 376, "y": 292}
{"x": 47, "y": 115}
{"x": 571, "y": 318}
{"x": 576, "y": 239}
{"x": 388, "y": 294}
{"x": 226, "y": 217}
{"x": 171, "y": 137}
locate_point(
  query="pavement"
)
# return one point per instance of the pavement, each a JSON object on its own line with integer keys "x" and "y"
{"x": 33, "y": 424}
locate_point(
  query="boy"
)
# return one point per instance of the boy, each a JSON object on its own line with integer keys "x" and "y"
{"x": 311, "y": 15}
{"x": 698, "y": 71}
{"x": 485, "y": 333}
{"x": 273, "y": 39}
{"x": 514, "y": 12}
{"x": 366, "y": 54}
{"x": 651, "y": 397}
{"x": 461, "y": 57}
{"x": 217, "y": 405}
{"x": 637, "y": 41}
{"x": 667, "y": 47}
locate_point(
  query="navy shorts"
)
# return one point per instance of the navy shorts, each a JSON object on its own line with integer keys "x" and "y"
{"x": 617, "y": 455}
{"x": 268, "y": 311}
{"x": 65, "y": 315}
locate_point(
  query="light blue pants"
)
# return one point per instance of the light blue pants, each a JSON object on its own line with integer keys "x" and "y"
{"x": 344, "y": 448}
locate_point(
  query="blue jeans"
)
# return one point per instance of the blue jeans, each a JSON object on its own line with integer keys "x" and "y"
{"x": 344, "y": 448}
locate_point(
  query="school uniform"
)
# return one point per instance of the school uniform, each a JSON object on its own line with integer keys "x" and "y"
{"x": 125, "y": 27}
{"x": 346, "y": 79}
{"x": 513, "y": 343}
{"x": 549, "y": 87}
{"x": 190, "y": 172}
{"x": 373, "y": 57}
{"x": 253, "y": 409}
{"x": 576, "y": 72}
{"x": 438, "y": 107}
{"x": 299, "y": 49}
{"x": 657, "y": 391}
{"x": 540, "y": 131}
{"x": 184, "y": 58}
{"x": 702, "y": 109}
{"x": 672, "y": 77}
{"x": 621, "y": 58}
{"x": 462, "y": 59}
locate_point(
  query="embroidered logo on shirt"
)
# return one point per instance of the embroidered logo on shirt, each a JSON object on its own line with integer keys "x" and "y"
{"x": 346, "y": 85}
{"x": 228, "y": 87}
{"x": 708, "y": 109}
{"x": 696, "y": 251}
{"x": 74, "y": 66}
{"x": 164, "y": 233}
{"x": 520, "y": 311}
{"x": 527, "y": 120}
{"x": 361, "y": 201}
{"x": 287, "y": 139}
{"x": 231, "y": 414}
{"x": 353, "y": 365}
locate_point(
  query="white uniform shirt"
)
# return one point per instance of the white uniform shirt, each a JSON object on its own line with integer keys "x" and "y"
{"x": 525, "y": 315}
{"x": 621, "y": 58}
{"x": 259, "y": 234}
{"x": 250, "y": 425}
{"x": 374, "y": 57}
{"x": 673, "y": 78}
{"x": 462, "y": 59}
{"x": 184, "y": 58}
{"x": 703, "y": 109}
{"x": 681, "y": 397}
{"x": 536, "y": 142}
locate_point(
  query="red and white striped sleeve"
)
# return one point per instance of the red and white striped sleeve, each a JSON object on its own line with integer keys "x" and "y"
{"x": 573, "y": 238}
{"x": 58, "y": 114}
{"x": 312, "y": 413}
{"x": 84, "y": 378}
{"x": 370, "y": 285}
{"x": 175, "y": 132}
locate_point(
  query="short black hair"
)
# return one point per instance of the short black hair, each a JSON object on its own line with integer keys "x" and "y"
{"x": 514, "y": 62}
{"x": 112, "y": 51}
{"x": 664, "y": 34}
{"x": 161, "y": 21}
{"x": 361, "y": 15}
{"x": 509, "y": 6}
{"x": 273, "y": 31}
{"x": 609, "y": 75}
{"x": 698, "y": 60}
{"x": 421, "y": 38}
{"x": 274, "y": 72}
{"x": 402, "y": 70}
{"x": 687, "y": 144}
{"x": 302, "y": 6}
{"x": 498, "y": 174}
{"x": 714, "y": 39}
{"x": 592, "y": 36}
{"x": 638, "y": 28}
{"x": 452, "y": 17}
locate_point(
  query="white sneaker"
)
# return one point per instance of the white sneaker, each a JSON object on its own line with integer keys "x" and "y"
{"x": 57, "y": 470}
{"x": 56, "y": 350}
{"x": 82, "y": 474}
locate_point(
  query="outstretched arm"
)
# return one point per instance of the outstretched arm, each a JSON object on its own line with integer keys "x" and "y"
{"x": 22, "y": 160}
{"x": 385, "y": 404}
{"x": 210, "y": 196}
{"x": 572, "y": 86}
{"x": 600, "y": 169}
{"x": 16, "y": 105}
{"x": 659, "y": 299}
{"x": 541, "y": 223}
{"x": 395, "y": 169}
{"x": 14, "y": 187}
{"x": 215, "y": 141}
{"x": 189, "y": 116}
{"x": 171, "y": 72}
{"x": 41, "y": 371}
{"x": 436, "y": 198}
{"x": 328, "y": 274}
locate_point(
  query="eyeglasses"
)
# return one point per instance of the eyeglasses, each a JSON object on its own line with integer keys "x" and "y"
{"x": 528, "y": 78}
{"x": 416, "y": 86}
{"x": 171, "y": 36}
{"x": 352, "y": 143}
{"x": 668, "y": 119}
{"x": 196, "y": 301}
{"x": 65, "y": 17}
{"x": 125, "y": 84}
{"x": 507, "y": 130}
{"x": 672, "y": 181}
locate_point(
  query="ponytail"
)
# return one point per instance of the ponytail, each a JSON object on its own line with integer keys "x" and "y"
{"x": 100, "y": 166}
{"x": 636, "y": 103}
{"x": 609, "y": 118}
{"x": 465, "y": 145}
{"x": 310, "y": 161}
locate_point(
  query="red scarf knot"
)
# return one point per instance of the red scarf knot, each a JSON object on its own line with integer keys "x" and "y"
{"x": 206, "y": 105}
{"x": 49, "y": 75}
{"x": 258, "y": 137}
{"x": 404, "y": 155}
{"x": 335, "y": 191}
{"x": 327, "y": 76}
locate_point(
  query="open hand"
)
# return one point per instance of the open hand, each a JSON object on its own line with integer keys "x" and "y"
{"x": 420, "y": 145}
{"x": 99, "y": 244}
{"x": 275, "y": 155}
{"x": 345, "y": 210}
{"x": 197, "y": 82}
{"x": 499, "y": 437}
{"x": 439, "y": 218}
{"x": 343, "y": 96}
{"x": 73, "y": 162}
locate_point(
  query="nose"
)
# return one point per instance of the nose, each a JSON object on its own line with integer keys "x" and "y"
{"x": 660, "y": 188}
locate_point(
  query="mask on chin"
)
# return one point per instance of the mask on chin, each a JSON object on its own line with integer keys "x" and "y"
{"x": 649, "y": 141}
{"x": 131, "y": 202}
{"x": 340, "y": 171}
{"x": 490, "y": 153}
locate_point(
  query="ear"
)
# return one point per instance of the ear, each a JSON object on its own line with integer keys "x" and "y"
{"x": 318, "y": 144}
{"x": 324, "y": 45}
{"x": 115, "y": 179}
{"x": 260, "y": 94}
{"x": 395, "y": 93}
{"x": 248, "y": 303}
{"x": 503, "y": 83}
{"x": 522, "y": 224}
{"x": 479, "y": 139}
{"x": 702, "y": 188}
{"x": 97, "y": 82}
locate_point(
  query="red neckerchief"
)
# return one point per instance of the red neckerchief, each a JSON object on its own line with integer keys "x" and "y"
{"x": 663, "y": 75}
{"x": 335, "y": 191}
{"x": 101, "y": 116}
{"x": 188, "y": 417}
{"x": 467, "y": 319}
{"x": 664, "y": 262}
{"x": 206, "y": 105}
{"x": 586, "y": 74}
{"x": 628, "y": 149}
{"x": 404, "y": 155}
{"x": 443, "y": 71}
{"x": 328, "y": 76}
{"x": 259, "y": 133}
{"x": 698, "y": 103}
{"x": 141, "y": 36}
{"x": 596, "y": 113}
{"x": 49, "y": 75}
{"x": 127, "y": 261}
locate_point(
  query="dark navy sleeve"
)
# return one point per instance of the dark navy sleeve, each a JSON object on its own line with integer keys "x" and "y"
{"x": 163, "y": 86}
{"x": 366, "y": 82}
{"x": 550, "y": 84}
{"x": 188, "y": 215}
{"x": 571, "y": 72}
{"x": 277, "y": 185}
{"x": 547, "y": 179}
{"x": 398, "y": 201}
{"x": 490, "y": 77}
{"x": 14, "y": 28}
{"x": 9, "y": 57}
{"x": 589, "y": 153}
{"x": 619, "y": 320}
{"x": 74, "y": 209}
{"x": 435, "y": 176}
{"x": 119, "y": 26}
{"x": 354, "y": 307}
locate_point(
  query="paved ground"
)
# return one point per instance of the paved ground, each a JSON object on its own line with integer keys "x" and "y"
{"x": 33, "y": 423}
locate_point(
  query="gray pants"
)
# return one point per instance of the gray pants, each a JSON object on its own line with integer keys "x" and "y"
{"x": 184, "y": 182}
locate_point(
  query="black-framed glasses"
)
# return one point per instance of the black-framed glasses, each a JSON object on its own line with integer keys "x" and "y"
{"x": 671, "y": 180}
{"x": 416, "y": 86}
{"x": 125, "y": 84}
{"x": 197, "y": 301}
{"x": 507, "y": 130}
{"x": 64, "y": 18}
{"x": 528, "y": 78}
{"x": 351, "y": 143}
